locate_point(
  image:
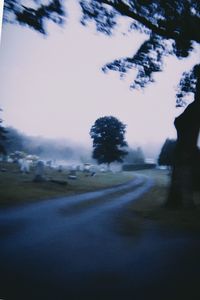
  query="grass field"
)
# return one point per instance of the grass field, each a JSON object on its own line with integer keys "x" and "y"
{"x": 16, "y": 187}
{"x": 151, "y": 207}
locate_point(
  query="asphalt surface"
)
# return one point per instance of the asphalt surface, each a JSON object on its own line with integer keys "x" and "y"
{"x": 51, "y": 250}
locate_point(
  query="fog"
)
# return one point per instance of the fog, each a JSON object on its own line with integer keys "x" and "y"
{"x": 46, "y": 148}
{"x": 58, "y": 150}
{"x": 69, "y": 153}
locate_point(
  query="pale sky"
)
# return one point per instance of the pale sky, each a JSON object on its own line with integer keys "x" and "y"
{"x": 53, "y": 86}
{"x": 1, "y": 15}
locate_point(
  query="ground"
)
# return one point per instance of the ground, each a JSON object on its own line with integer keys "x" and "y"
{"x": 105, "y": 244}
{"x": 16, "y": 187}
{"x": 151, "y": 206}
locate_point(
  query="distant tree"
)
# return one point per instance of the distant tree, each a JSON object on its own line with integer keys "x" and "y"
{"x": 135, "y": 156}
{"x": 14, "y": 140}
{"x": 167, "y": 154}
{"x": 108, "y": 140}
{"x": 2, "y": 138}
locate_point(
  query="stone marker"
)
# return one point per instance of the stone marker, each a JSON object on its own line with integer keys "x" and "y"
{"x": 24, "y": 165}
{"x": 72, "y": 174}
{"x": 60, "y": 168}
{"x": 39, "y": 172}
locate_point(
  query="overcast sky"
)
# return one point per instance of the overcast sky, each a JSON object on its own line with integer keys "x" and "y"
{"x": 1, "y": 15}
{"x": 53, "y": 86}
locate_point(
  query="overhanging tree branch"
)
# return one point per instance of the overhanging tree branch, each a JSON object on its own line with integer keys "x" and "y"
{"x": 126, "y": 10}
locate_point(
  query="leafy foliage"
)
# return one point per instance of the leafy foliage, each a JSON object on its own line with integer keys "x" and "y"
{"x": 35, "y": 13}
{"x": 108, "y": 140}
{"x": 187, "y": 86}
{"x": 171, "y": 28}
{"x": 14, "y": 140}
{"x": 104, "y": 16}
{"x": 148, "y": 60}
{"x": 170, "y": 25}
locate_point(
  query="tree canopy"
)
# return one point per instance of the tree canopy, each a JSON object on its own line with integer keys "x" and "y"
{"x": 33, "y": 13}
{"x": 171, "y": 26}
{"x": 108, "y": 140}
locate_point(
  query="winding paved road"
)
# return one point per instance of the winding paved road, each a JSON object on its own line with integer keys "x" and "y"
{"x": 55, "y": 250}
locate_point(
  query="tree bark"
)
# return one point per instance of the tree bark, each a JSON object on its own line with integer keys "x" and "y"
{"x": 186, "y": 170}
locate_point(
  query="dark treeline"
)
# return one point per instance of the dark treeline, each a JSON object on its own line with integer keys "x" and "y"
{"x": 45, "y": 148}
{"x": 167, "y": 153}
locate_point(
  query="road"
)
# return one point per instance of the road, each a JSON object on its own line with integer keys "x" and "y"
{"x": 52, "y": 250}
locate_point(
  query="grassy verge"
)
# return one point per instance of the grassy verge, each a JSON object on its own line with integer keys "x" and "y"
{"x": 151, "y": 207}
{"x": 16, "y": 187}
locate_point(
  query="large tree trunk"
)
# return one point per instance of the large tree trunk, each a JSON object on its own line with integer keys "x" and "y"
{"x": 185, "y": 172}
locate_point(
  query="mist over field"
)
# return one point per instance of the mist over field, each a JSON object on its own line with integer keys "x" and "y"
{"x": 66, "y": 151}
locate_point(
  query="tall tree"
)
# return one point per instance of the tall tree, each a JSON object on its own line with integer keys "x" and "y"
{"x": 173, "y": 29}
{"x": 108, "y": 140}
